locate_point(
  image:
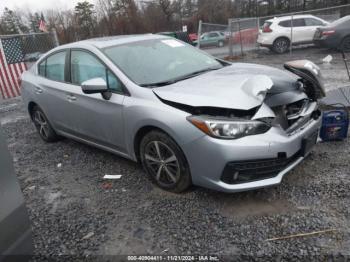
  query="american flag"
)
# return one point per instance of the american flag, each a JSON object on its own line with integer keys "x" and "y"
{"x": 42, "y": 26}
{"x": 11, "y": 66}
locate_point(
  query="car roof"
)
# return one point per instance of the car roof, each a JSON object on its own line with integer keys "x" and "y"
{"x": 340, "y": 21}
{"x": 103, "y": 42}
{"x": 283, "y": 18}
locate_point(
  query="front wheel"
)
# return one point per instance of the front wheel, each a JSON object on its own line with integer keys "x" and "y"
{"x": 221, "y": 44}
{"x": 165, "y": 162}
{"x": 281, "y": 45}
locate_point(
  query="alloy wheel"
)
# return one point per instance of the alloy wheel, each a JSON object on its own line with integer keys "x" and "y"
{"x": 281, "y": 46}
{"x": 41, "y": 124}
{"x": 162, "y": 163}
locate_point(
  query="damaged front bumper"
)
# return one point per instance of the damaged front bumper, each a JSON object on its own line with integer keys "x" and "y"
{"x": 209, "y": 157}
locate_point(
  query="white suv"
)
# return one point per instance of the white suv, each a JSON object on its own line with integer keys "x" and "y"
{"x": 277, "y": 33}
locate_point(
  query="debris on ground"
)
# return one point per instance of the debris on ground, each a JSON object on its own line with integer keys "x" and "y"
{"x": 87, "y": 236}
{"x": 302, "y": 235}
{"x": 107, "y": 186}
{"x": 328, "y": 59}
{"x": 112, "y": 177}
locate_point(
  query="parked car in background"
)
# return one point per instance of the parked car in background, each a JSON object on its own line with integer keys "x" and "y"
{"x": 32, "y": 57}
{"x": 335, "y": 35}
{"x": 193, "y": 37}
{"x": 214, "y": 38}
{"x": 278, "y": 35}
{"x": 183, "y": 36}
{"x": 16, "y": 243}
{"x": 187, "y": 117}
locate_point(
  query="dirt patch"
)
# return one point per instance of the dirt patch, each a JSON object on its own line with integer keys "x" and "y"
{"x": 239, "y": 209}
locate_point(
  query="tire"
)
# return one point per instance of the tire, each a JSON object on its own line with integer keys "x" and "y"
{"x": 42, "y": 124}
{"x": 221, "y": 44}
{"x": 155, "y": 149}
{"x": 281, "y": 45}
{"x": 345, "y": 44}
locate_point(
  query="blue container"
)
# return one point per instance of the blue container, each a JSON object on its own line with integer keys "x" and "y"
{"x": 335, "y": 125}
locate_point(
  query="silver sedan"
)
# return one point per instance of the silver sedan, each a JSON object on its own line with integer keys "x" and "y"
{"x": 187, "y": 117}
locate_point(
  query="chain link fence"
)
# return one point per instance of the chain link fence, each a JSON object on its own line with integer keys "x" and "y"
{"x": 17, "y": 54}
{"x": 242, "y": 36}
{"x": 213, "y": 38}
{"x": 30, "y": 47}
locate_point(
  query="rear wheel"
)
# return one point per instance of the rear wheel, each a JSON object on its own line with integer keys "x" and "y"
{"x": 281, "y": 45}
{"x": 43, "y": 126}
{"x": 164, "y": 162}
{"x": 345, "y": 45}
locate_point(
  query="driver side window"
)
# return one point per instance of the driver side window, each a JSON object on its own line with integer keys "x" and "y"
{"x": 85, "y": 66}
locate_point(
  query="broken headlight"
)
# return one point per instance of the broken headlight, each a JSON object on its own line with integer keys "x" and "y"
{"x": 228, "y": 128}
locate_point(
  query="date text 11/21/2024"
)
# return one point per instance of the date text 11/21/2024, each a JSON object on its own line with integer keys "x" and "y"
{"x": 173, "y": 258}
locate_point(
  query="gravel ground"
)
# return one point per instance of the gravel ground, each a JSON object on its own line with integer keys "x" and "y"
{"x": 76, "y": 213}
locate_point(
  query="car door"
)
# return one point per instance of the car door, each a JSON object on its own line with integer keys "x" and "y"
{"x": 205, "y": 40}
{"x": 213, "y": 39}
{"x": 51, "y": 88}
{"x": 311, "y": 26}
{"x": 92, "y": 117}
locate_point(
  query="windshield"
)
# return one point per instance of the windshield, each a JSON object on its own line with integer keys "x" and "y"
{"x": 159, "y": 60}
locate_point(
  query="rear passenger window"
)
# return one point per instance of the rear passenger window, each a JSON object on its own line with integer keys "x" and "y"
{"x": 286, "y": 23}
{"x": 298, "y": 22}
{"x": 313, "y": 22}
{"x": 55, "y": 66}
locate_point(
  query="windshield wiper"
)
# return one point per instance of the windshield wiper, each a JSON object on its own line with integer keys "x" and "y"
{"x": 159, "y": 84}
{"x": 173, "y": 81}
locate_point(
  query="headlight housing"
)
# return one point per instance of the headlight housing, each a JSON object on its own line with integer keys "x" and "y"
{"x": 225, "y": 128}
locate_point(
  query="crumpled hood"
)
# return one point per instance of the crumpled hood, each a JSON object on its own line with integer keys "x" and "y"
{"x": 239, "y": 86}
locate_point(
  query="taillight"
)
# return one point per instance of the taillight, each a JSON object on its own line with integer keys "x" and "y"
{"x": 327, "y": 33}
{"x": 267, "y": 29}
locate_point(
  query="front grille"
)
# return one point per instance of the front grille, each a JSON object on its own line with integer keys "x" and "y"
{"x": 250, "y": 171}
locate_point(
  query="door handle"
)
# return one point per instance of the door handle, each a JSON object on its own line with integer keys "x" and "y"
{"x": 38, "y": 90}
{"x": 71, "y": 98}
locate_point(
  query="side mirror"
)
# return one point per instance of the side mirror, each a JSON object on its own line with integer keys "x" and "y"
{"x": 94, "y": 86}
